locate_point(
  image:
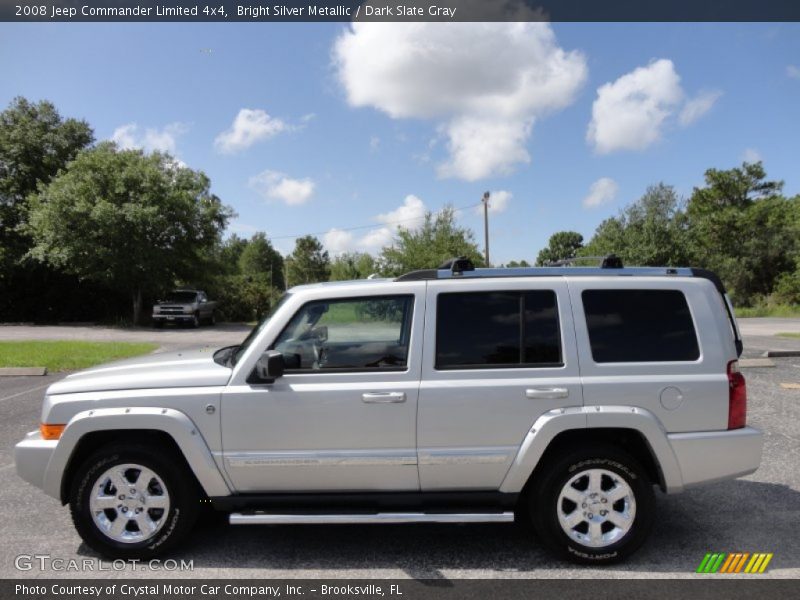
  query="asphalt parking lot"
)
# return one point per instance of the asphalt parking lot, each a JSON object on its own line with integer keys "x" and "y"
{"x": 759, "y": 513}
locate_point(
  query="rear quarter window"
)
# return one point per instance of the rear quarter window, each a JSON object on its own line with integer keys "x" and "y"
{"x": 639, "y": 326}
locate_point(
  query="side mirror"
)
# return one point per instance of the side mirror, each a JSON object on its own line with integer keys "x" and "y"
{"x": 270, "y": 366}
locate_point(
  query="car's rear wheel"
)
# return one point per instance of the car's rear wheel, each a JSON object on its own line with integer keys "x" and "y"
{"x": 593, "y": 506}
{"x": 130, "y": 501}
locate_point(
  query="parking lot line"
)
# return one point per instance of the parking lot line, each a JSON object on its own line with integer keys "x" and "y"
{"x": 22, "y": 393}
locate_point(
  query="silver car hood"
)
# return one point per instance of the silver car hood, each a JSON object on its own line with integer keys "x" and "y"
{"x": 186, "y": 368}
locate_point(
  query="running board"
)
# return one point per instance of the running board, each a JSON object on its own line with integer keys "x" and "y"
{"x": 259, "y": 518}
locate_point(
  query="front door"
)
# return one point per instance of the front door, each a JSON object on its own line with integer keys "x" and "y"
{"x": 343, "y": 416}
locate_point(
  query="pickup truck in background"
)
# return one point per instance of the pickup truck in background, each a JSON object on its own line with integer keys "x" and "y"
{"x": 185, "y": 307}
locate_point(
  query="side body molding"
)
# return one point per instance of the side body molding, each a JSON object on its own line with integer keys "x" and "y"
{"x": 554, "y": 422}
{"x": 172, "y": 422}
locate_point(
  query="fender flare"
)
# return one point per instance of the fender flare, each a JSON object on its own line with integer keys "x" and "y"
{"x": 556, "y": 421}
{"x": 167, "y": 420}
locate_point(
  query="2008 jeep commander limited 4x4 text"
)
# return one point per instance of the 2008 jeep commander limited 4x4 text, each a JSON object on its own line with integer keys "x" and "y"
{"x": 558, "y": 395}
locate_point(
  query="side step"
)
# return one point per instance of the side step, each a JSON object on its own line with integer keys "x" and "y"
{"x": 260, "y": 518}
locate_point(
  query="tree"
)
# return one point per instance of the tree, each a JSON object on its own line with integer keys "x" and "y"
{"x": 259, "y": 258}
{"x": 561, "y": 246}
{"x": 35, "y": 143}
{"x": 229, "y": 252}
{"x": 437, "y": 240}
{"x": 650, "y": 232}
{"x": 309, "y": 262}
{"x": 134, "y": 221}
{"x": 353, "y": 265}
{"x": 740, "y": 226}
{"x": 520, "y": 263}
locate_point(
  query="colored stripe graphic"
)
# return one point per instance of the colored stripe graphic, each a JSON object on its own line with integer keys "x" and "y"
{"x": 703, "y": 563}
{"x": 722, "y": 562}
{"x": 717, "y": 564}
{"x": 727, "y": 564}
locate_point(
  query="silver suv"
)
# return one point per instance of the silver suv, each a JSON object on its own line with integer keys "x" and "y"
{"x": 559, "y": 397}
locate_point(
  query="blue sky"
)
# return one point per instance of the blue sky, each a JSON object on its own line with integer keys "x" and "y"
{"x": 304, "y": 128}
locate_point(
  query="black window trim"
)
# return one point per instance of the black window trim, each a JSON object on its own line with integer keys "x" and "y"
{"x": 504, "y": 366}
{"x": 409, "y": 315}
{"x": 644, "y": 362}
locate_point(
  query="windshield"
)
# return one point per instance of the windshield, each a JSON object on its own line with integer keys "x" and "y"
{"x": 242, "y": 348}
{"x": 181, "y": 297}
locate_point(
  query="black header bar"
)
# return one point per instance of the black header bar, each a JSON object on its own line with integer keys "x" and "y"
{"x": 398, "y": 10}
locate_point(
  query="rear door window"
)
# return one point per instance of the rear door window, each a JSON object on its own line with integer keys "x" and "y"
{"x": 639, "y": 326}
{"x": 501, "y": 329}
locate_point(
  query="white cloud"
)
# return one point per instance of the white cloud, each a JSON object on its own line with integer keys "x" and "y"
{"x": 484, "y": 83}
{"x": 602, "y": 191}
{"x": 629, "y": 113}
{"x": 793, "y": 71}
{"x": 632, "y": 112}
{"x": 129, "y": 136}
{"x": 249, "y": 127}
{"x": 337, "y": 241}
{"x": 698, "y": 106}
{"x": 751, "y": 155}
{"x": 498, "y": 202}
{"x": 273, "y": 185}
{"x": 409, "y": 215}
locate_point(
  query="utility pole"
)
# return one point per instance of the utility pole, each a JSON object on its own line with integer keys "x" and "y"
{"x": 485, "y": 201}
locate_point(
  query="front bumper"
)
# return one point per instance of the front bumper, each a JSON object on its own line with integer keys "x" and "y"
{"x": 31, "y": 456}
{"x": 178, "y": 318}
{"x": 709, "y": 456}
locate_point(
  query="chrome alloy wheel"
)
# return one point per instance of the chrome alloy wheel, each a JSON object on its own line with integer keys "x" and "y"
{"x": 129, "y": 503}
{"x": 596, "y": 508}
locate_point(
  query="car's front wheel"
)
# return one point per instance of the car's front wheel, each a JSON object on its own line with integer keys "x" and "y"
{"x": 593, "y": 506}
{"x": 127, "y": 501}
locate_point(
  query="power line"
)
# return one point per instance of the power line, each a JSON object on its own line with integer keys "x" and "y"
{"x": 372, "y": 226}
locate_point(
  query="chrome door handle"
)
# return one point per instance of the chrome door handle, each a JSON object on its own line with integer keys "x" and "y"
{"x": 547, "y": 393}
{"x": 383, "y": 397}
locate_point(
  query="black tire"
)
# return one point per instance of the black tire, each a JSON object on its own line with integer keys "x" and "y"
{"x": 196, "y": 320}
{"x": 181, "y": 486}
{"x": 543, "y": 503}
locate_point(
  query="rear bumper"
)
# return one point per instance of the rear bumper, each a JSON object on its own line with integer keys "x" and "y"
{"x": 31, "y": 457}
{"x": 709, "y": 456}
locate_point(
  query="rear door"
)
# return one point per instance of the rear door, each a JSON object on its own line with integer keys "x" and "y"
{"x": 497, "y": 355}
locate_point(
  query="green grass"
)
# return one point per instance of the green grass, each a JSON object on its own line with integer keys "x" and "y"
{"x": 67, "y": 355}
{"x": 790, "y": 335}
{"x": 773, "y": 310}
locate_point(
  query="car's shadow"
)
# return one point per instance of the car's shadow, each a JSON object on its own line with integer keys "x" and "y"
{"x": 734, "y": 516}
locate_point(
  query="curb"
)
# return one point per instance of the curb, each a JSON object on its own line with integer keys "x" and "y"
{"x": 22, "y": 371}
{"x": 749, "y": 363}
{"x": 781, "y": 353}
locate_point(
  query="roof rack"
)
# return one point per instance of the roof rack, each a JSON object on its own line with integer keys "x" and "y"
{"x": 609, "y": 265}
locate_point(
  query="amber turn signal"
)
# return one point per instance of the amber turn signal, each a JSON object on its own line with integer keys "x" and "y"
{"x": 51, "y": 432}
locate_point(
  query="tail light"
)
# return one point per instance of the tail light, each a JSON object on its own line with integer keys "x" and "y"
{"x": 737, "y": 397}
